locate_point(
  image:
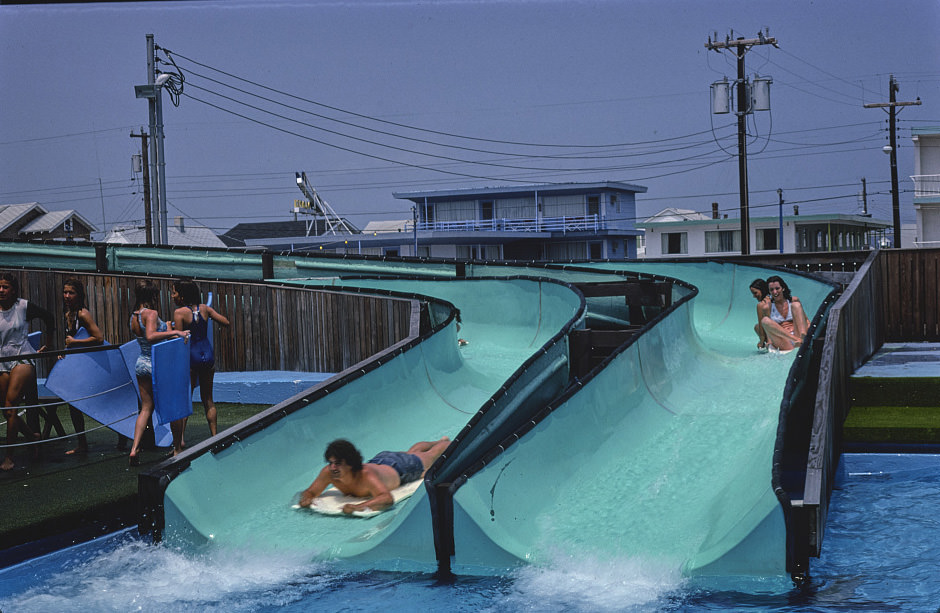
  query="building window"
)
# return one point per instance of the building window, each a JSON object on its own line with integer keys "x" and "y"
{"x": 593, "y": 205}
{"x": 767, "y": 239}
{"x": 486, "y": 209}
{"x": 566, "y": 251}
{"x": 675, "y": 243}
{"x": 478, "y": 252}
{"x": 594, "y": 251}
{"x": 722, "y": 241}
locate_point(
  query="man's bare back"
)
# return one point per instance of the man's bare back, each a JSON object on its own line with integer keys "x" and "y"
{"x": 372, "y": 481}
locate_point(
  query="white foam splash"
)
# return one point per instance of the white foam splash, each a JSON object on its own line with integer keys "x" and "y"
{"x": 596, "y": 584}
{"x": 139, "y": 577}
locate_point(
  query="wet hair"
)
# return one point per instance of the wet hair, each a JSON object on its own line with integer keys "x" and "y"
{"x": 79, "y": 288}
{"x": 761, "y": 286}
{"x": 341, "y": 449}
{"x": 145, "y": 292}
{"x": 14, "y": 282}
{"x": 188, "y": 291}
{"x": 783, "y": 284}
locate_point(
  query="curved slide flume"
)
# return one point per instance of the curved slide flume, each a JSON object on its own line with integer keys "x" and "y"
{"x": 663, "y": 454}
{"x": 239, "y": 496}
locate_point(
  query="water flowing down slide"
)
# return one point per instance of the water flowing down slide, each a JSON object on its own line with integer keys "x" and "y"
{"x": 662, "y": 455}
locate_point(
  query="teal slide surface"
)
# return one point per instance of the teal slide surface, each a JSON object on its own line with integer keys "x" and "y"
{"x": 663, "y": 454}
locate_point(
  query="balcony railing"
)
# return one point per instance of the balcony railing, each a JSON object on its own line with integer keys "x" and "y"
{"x": 926, "y": 185}
{"x": 583, "y": 223}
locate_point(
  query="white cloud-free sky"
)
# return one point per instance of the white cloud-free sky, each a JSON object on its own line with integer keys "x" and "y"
{"x": 369, "y": 98}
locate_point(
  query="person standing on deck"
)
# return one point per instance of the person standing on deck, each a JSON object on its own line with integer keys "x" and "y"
{"x": 149, "y": 329}
{"x": 194, "y": 316}
{"x": 77, "y": 316}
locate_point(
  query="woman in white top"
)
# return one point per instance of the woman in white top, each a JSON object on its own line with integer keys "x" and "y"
{"x": 15, "y": 374}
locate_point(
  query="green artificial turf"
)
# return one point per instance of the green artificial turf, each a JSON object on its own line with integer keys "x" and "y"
{"x": 892, "y": 424}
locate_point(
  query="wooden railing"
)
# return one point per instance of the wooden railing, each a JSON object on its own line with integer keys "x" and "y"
{"x": 272, "y": 327}
{"x": 854, "y": 332}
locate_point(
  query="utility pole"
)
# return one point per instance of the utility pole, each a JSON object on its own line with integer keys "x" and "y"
{"x": 145, "y": 166}
{"x": 740, "y": 46}
{"x": 152, "y": 91}
{"x": 414, "y": 224}
{"x": 864, "y": 198}
{"x": 892, "y": 150}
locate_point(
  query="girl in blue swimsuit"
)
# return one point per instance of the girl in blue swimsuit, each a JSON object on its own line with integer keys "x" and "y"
{"x": 194, "y": 316}
{"x": 149, "y": 329}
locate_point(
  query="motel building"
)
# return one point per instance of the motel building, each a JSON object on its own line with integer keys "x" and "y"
{"x": 927, "y": 186}
{"x": 677, "y": 233}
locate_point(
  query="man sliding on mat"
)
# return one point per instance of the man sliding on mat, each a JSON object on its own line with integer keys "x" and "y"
{"x": 376, "y": 478}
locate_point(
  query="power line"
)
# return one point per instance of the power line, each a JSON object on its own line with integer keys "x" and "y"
{"x": 409, "y": 127}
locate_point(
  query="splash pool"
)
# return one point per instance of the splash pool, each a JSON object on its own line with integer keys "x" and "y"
{"x": 881, "y": 553}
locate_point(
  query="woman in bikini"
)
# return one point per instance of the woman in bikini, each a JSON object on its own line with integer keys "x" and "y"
{"x": 149, "y": 329}
{"x": 15, "y": 375}
{"x": 786, "y": 323}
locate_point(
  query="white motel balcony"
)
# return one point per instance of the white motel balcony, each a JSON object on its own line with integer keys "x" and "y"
{"x": 926, "y": 186}
{"x": 584, "y": 223}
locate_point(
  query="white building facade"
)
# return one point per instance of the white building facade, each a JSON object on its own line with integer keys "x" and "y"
{"x": 701, "y": 236}
{"x": 927, "y": 186}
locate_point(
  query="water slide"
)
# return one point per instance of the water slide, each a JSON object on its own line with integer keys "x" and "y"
{"x": 663, "y": 453}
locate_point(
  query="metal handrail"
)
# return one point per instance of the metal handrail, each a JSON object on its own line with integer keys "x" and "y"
{"x": 577, "y": 223}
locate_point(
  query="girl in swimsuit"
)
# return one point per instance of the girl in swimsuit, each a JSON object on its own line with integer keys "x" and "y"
{"x": 15, "y": 375}
{"x": 194, "y": 316}
{"x": 77, "y": 316}
{"x": 786, "y": 323}
{"x": 760, "y": 292}
{"x": 149, "y": 329}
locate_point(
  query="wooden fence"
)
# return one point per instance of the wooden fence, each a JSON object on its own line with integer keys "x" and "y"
{"x": 272, "y": 327}
{"x": 910, "y": 298}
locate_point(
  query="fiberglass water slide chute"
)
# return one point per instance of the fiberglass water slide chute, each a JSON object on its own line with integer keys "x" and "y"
{"x": 664, "y": 453}
{"x": 239, "y": 496}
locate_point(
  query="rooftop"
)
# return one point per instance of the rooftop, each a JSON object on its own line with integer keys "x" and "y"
{"x": 516, "y": 190}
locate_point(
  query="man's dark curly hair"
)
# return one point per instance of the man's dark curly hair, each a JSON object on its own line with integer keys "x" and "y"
{"x": 341, "y": 449}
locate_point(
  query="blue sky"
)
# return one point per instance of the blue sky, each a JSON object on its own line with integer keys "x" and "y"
{"x": 369, "y": 98}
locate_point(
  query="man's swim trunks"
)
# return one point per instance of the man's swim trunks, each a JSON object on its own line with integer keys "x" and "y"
{"x": 408, "y": 465}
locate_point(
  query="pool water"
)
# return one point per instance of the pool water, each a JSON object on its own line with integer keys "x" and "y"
{"x": 881, "y": 553}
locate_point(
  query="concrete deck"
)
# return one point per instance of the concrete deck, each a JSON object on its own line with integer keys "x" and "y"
{"x": 903, "y": 360}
